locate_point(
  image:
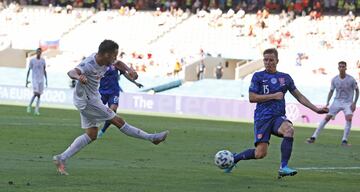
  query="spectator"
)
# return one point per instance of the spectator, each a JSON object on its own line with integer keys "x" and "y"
{"x": 2, "y": 5}
{"x": 177, "y": 68}
{"x": 196, "y": 6}
{"x": 299, "y": 58}
{"x": 218, "y": 71}
{"x": 201, "y": 70}
{"x": 188, "y": 4}
{"x": 349, "y": 5}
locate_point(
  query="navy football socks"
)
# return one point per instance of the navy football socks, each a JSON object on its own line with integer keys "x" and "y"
{"x": 245, "y": 155}
{"x": 286, "y": 149}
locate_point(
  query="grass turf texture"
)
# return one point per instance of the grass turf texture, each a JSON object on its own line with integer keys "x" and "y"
{"x": 183, "y": 163}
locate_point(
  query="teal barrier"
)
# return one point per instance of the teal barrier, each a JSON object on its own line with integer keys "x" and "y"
{"x": 164, "y": 87}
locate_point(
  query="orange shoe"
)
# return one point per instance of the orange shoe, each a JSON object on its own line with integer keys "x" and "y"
{"x": 60, "y": 165}
{"x": 160, "y": 137}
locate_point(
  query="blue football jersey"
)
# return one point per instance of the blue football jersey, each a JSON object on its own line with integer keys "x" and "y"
{"x": 109, "y": 84}
{"x": 263, "y": 83}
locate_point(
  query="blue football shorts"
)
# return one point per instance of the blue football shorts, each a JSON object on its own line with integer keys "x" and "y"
{"x": 263, "y": 129}
{"x": 110, "y": 99}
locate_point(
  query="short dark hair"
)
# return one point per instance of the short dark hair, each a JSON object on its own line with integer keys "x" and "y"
{"x": 108, "y": 46}
{"x": 39, "y": 49}
{"x": 271, "y": 51}
{"x": 342, "y": 62}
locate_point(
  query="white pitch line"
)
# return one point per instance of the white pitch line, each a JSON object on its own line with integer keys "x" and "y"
{"x": 38, "y": 124}
{"x": 328, "y": 168}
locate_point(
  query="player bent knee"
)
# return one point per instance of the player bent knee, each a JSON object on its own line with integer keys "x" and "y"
{"x": 286, "y": 129}
{"x": 92, "y": 132}
{"x": 348, "y": 117}
{"x": 328, "y": 117}
{"x": 261, "y": 150}
{"x": 117, "y": 121}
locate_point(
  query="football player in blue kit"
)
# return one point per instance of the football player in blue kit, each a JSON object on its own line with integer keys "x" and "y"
{"x": 110, "y": 90}
{"x": 268, "y": 89}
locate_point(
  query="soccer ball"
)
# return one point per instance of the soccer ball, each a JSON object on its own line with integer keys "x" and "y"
{"x": 224, "y": 159}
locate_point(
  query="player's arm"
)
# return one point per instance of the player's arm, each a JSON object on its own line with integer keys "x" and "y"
{"x": 256, "y": 88}
{"x": 123, "y": 67}
{"x": 77, "y": 75}
{"x": 28, "y": 73}
{"x": 353, "y": 105}
{"x": 27, "y": 77}
{"x": 45, "y": 74}
{"x": 132, "y": 80}
{"x": 304, "y": 101}
{"x": 257, "y": 98}
{"x": 331, "y": 92}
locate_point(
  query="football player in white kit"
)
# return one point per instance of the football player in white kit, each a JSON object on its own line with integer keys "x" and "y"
{"x": 87, "y": 100}
{"x": 38, "y": 67}
{"x": 345, "y": 86}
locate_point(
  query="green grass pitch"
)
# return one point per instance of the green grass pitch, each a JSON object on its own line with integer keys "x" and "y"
{"x": 183, "y": 163}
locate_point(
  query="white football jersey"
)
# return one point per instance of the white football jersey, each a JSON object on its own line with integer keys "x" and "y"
{"x": 344, "y": 88}
{"x": 90, "y": 90}
{"x": 38, "y": 69}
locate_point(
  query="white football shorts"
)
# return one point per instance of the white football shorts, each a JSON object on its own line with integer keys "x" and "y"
{"x": 94, "y": 113}
{"x": 38, "y": 87}
{"x": 337, "y": 106}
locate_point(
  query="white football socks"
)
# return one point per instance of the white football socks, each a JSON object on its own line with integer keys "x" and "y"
{"x": 319, "y": 128}
{"x": 132, "y": 131}
{"x": 346, "y": 130}
{"x": 79, "y": 143}
{"x": 37, "y": 105}
{"x": 32, "y": 100}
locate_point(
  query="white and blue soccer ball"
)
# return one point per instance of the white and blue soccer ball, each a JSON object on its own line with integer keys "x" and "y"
{"x": 224, "y": 159}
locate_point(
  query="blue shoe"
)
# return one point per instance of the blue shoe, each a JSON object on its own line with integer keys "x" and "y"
{"x": 286, "y": 171}
{"x": 228, "y": 170}
{"x": 100, "y": 134}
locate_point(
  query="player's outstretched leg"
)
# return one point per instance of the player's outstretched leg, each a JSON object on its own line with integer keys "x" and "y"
{"x": 60, "y": 165}
{"x": 245, "y": 155}
{"x": 135, "y": 132}
{"x": 132, "y": 131}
